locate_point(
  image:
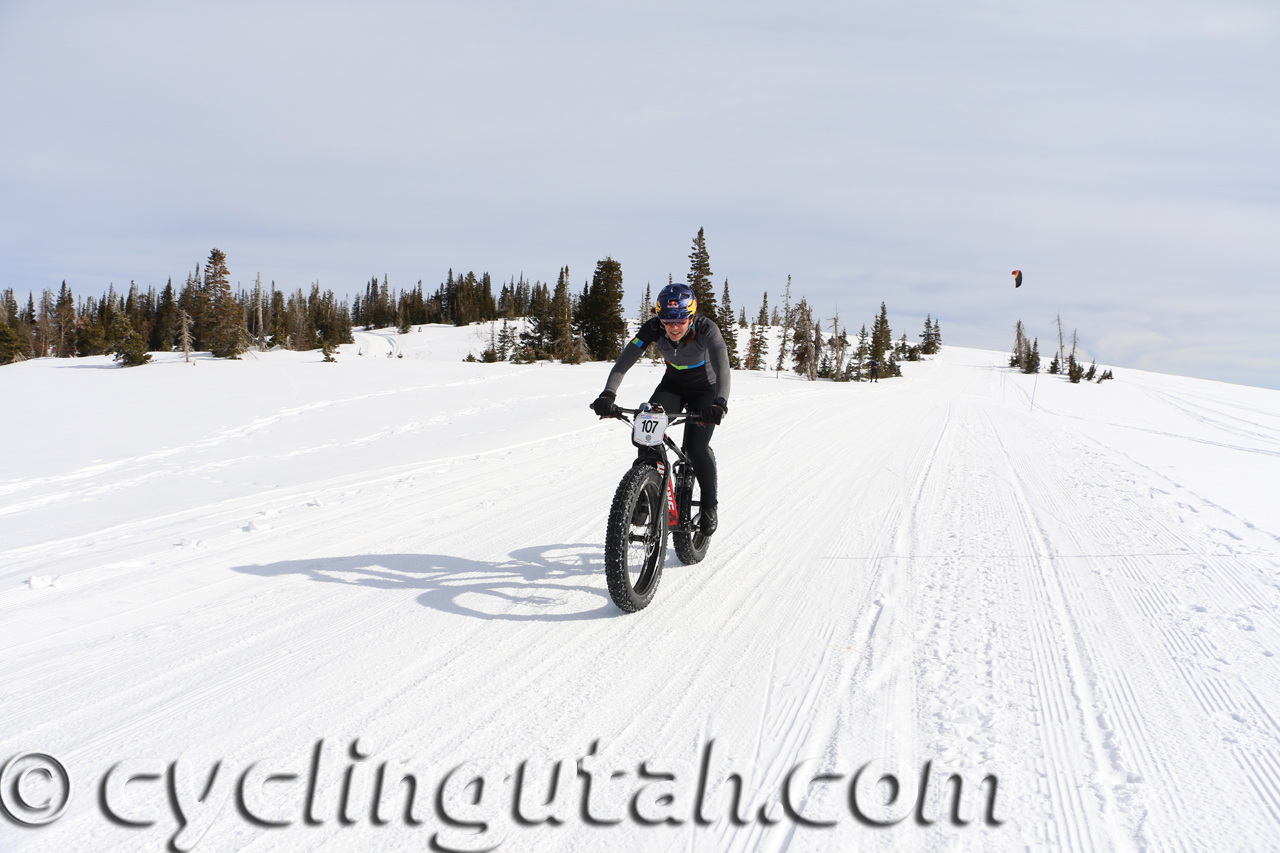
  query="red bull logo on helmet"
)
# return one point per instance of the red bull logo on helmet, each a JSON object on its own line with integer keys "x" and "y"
{"x": 676, "y": 301}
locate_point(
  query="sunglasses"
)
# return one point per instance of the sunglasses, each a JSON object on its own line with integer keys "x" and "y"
{"x": 676, "y": 322}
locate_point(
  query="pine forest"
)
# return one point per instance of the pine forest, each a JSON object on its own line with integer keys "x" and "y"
{"x": 539, "y": 321}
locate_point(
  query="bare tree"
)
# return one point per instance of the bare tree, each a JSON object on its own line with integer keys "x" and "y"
{"x": 1021, "y": 348}
{"x": 184, "y": 335}
{"x": 839, "y": 344}
{"x": 788, "y": 321}
{"x": 1057, "y": 318}
{"x": 46, "y": 323}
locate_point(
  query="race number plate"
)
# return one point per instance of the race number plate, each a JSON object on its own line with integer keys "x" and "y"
{"x": 649, "y": 428}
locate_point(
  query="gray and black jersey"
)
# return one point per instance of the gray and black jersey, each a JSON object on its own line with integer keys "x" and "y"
{"x": 699, "y": 361}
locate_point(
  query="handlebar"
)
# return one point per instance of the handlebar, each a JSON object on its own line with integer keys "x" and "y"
{"x": 674, "y": 419}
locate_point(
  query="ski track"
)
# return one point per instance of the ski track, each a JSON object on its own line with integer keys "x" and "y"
{"x": 956, "y": 579}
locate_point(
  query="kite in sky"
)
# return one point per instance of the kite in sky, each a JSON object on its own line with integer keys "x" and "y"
{"x": 1017, "y": 278}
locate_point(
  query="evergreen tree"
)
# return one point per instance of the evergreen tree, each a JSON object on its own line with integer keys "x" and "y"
{"x": 762, "y": 319}
{"x": 132, "y": 350}
{"x": 328, "y": 320}
{"x": 700, "y": 277}
{"x": 604, "y": 331}
{"x": 90, "y": 337}
{"x": 752, "y": 361}
{"x": 560, "y": 330}
{"x": 225, "y": 322}
{"x": 166, "y": 326}
{"x": 1033, "y": 358}
{"x": 26, "y": 328}
{"x": 881, "y": 338}
{"x": 194, "y": 301}
{"x": 537, "y": 338}
{"x": 647, "y": 313}
{"x": 725, "y": 321}
{"x": 279, "y": 320}
{"x": 578, "y": 351}
{"x": 9, "y": 307}
{"x": 117, "y": 330}
{"x": 10, "y": 344}
{"x": 302, "y": 331}
{"x": 506, "y": 342}
{"x": 861, "y": 354}
{"x": 758, "y": 348}
{"x": 805, "y": 339}
{"x": 891, "y": 367}
{"x": 928, "y": 342}
{"x": 65, "y": 322}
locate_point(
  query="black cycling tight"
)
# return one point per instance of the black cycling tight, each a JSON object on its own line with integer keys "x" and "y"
{"x": 697, "y": 439}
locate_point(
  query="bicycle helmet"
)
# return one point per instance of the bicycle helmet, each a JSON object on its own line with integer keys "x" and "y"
{"x": 676, "y": 302}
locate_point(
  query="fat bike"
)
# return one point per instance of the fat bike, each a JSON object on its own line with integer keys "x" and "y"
{"x": 656, "y": 497}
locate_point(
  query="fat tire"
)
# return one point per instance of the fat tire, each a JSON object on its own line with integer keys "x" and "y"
{"x": 641, "y": 482}
{"x": 690, "y": 547}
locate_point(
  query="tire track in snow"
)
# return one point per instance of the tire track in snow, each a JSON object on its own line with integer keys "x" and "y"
{"x": 243, "y": 509}
{"x": 1216, "y": 418}
{"x": 1063, "y": 683}
{"x": 1194, "y": 657}
{"x": 1124, "y": 714}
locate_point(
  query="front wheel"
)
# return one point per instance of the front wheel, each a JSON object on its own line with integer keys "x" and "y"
{"x": 691, "y": 546}
{"x": 635, "y": 544}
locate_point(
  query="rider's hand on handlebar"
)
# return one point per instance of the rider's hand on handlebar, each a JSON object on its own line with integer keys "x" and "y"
{"x": 715, "y": 413}
{"x": 603, "y": 405}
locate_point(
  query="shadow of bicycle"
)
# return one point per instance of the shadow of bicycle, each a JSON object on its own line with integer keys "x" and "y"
{"x": 550, "y": 583}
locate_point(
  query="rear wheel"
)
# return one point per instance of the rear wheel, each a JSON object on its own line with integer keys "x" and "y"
{"x": 690, "y": 547}
{"x": 635, "y": 543}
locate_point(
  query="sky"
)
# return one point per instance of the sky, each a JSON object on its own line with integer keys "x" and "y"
{"x": 1122, "y": 155}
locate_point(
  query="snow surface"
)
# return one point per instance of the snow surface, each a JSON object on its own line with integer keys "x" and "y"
{"x": 402, "y": 557}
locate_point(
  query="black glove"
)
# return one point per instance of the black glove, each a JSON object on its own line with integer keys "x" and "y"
{"x": 715, "y": 413}
{"x": 603, "y": 405}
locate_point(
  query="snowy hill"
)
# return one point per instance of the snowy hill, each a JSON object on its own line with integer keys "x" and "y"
{"x": 327, "y": 575}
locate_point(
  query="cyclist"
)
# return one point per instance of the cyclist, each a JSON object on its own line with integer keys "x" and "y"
{"x": 697, "y": 379}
